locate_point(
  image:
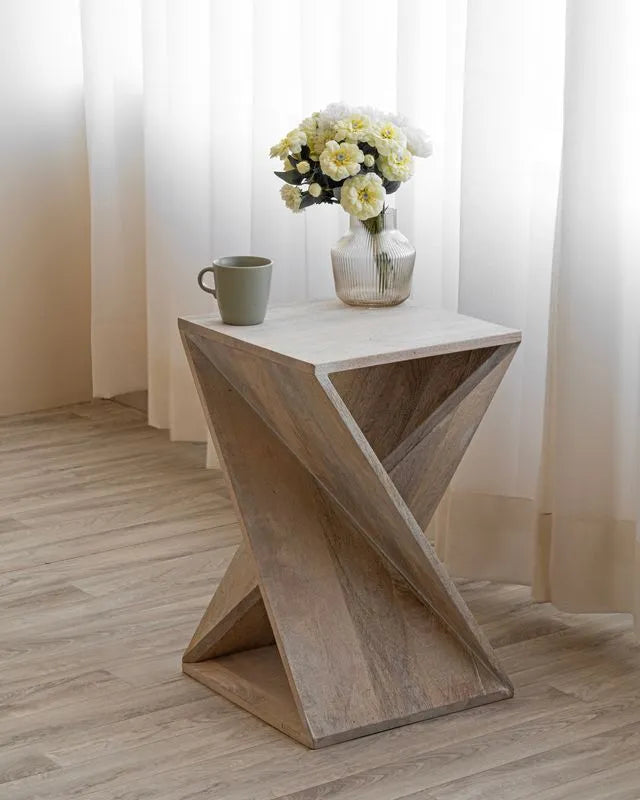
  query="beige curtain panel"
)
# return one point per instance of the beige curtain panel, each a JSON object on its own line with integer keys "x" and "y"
{"x": 526, "y": 215}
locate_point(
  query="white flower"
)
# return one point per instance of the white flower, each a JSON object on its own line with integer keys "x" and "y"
{"x": 387, "y": 137}
{"x": 318, "y": 132}
{"x": 292, "y": 143}
{"x": 292, "y": 197}
{"x": 363, "y": 196}
{"x": 339, "y": 161}
{"x": 335, "y": 111}
{"x": 418, "y": 142}
{"x": 280, "y": 150}
{"x": 332, "y": 139}
{"x": 353, "y": 128}
{"x": 398, "y": 119}
{"x": 397, "y": 166}
{"x": 374, "y": 114}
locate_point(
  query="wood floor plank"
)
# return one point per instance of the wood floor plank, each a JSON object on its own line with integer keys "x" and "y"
{"x": 616, "y": 783}
{"x": 17, "y": 764}
{"x": 194, "y": 717}
{"x": 528, "y": 776}
{"x": 106, "y": 576}
{"x": 57, "y": 573}
{"x": 487, "y": 759}
{"x": 30, "y": 697}
{"x": 71, "y": 721}
{"x": 24, "y": 556}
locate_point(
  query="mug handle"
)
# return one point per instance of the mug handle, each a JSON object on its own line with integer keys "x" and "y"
{"x": 202, "y": 285}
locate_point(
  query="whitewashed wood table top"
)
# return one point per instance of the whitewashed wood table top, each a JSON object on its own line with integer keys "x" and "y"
{"x": 327, "y": 335}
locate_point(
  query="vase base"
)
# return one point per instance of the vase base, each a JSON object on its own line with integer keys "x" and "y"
{"x": 372, "y": 303}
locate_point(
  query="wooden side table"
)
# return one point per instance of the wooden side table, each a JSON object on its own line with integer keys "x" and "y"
{"x": 339, "y": 430}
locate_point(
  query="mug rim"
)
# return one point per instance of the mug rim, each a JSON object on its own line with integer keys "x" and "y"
{"x": 251, "y": 262}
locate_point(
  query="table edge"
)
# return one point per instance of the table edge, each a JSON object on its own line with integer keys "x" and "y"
{"x": 508, "y": 336}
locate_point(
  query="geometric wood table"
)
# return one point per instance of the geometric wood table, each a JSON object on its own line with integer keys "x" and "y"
{"x": 339, "y": 429}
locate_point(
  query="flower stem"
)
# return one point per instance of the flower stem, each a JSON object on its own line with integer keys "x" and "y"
{"x": 384, "y": 264}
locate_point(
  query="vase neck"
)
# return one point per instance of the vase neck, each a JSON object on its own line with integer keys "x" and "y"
{"x": 386, "y": 221}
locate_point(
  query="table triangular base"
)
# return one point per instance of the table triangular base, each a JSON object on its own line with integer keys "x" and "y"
{"x": 388, "y": 661}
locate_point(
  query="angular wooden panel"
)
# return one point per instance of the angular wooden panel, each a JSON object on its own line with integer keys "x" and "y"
{"x": 389, "y": 402}
{"x": 422, "y": 441}
{"x": 423, "y": 471}
{"x": 256, "y": 681}
{"x": 235, "y": 618}
{"x": 370, "y": 630}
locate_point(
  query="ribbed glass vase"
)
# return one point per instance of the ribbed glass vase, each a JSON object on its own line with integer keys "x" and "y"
{"x": 373, "y": 262}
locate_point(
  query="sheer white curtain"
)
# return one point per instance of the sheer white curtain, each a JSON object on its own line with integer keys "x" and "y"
{"x": 183, "y": 103}
{"x": 589, "y": 550}
{"x": 516, "y": 219}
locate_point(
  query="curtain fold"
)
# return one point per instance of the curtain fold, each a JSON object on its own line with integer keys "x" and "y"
{"x": 112, "y": 62}
{"x": 525, "y": 215}
{"x": 588, "y": 541}
{"x": 511, "y": 155}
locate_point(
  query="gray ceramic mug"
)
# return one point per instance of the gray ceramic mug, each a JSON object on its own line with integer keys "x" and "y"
{"x": 241, "y": 287}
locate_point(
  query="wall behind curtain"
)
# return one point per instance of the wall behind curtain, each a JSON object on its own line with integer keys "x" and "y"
{"x": 44, "y": 202}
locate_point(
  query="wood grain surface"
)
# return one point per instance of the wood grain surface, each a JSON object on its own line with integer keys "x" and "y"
{"x": 328, "y": 335}
{"x": 333, "y": 534}
{"x": 235, "y": 618}
{"x": 309, "y": 417}
{"x": 362, "y": 652}
{"x": 108, "y": 572}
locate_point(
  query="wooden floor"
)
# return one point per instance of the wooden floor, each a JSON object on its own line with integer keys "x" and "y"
{"x": 111, "y": 542}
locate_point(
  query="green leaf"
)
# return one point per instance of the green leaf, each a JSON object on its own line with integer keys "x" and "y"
{"x": 307, "y": 200}
{"x": 292, "y": 176}
{"x": 391, "y": 186}
{"x": 304, "y": 152}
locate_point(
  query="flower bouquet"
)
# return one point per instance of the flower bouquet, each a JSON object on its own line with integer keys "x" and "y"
{"x": 356, "y": 157}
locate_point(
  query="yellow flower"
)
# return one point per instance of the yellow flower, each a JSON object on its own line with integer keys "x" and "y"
{"x": 292, "y": 143}
{"x": 319, "y": 142}
{"x": 303, "y": 167}
{"x": 315, "y": 190}
{"x": 369, "y": 160}
{"x": 339, "y": 161}
{"x": 354, "y": 128}
{"x": 386, "y": 138}
{"x": 397, "y": 166}
{"x": 363, "y": 196}
{"x": 291, "y": 196}
{"x": 318, "y": 133}
{"x": 310, "y": 126}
